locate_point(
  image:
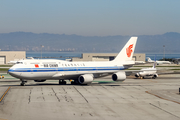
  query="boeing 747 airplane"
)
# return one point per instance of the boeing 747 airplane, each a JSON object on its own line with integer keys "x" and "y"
{"x": 41, "y": 70}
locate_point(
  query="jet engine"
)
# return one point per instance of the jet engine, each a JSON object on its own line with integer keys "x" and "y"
{"x": 39, "y": 80}
{"x": 137, "y": 75}
{"x": 155, "y": 76}
{"x": 119, "y": 76}
{"x": 85, "y": 79}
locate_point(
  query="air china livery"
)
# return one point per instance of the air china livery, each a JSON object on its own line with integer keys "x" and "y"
{"x": 41, "y": 70}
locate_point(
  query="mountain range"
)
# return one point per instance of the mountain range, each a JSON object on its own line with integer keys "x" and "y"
{"x": 28, "y": 41}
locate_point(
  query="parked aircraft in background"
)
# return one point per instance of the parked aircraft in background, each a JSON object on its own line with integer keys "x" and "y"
{"x": 147, "y": 72}
{"x": 12, "y": 62}
{"x": 176, "y": 60}
{"x": 80, "y": 72}
{"x": 158, "y": 62}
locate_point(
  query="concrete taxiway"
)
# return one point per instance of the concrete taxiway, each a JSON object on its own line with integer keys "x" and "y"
{"x": 133, "y": 99}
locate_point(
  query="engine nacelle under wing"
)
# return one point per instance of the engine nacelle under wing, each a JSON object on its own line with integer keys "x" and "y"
{"x": 155, "y": 75}
{"x": 137, "y": 75}
{"x": 85, "y": 79}
{"x": 119, "y": 76}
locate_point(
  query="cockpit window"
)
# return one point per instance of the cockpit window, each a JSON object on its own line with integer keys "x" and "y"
{"x": 19, "y": 63}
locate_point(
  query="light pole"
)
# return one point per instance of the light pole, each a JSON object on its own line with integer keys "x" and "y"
{"x": 41, "y": 50}
{"x": 164, "y": 51}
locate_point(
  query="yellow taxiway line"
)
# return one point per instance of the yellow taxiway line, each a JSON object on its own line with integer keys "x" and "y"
{"x": 4, "y": 94}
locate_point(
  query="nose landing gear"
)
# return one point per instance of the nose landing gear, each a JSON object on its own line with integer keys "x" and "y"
{"x": 23, "y": 82}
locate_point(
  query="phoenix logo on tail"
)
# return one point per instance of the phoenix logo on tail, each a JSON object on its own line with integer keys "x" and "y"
{"x": 129, "y": 50}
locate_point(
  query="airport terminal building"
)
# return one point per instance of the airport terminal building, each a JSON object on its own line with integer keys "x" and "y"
{"x": 107, "y": 57}
{"x": 7, "y": 56}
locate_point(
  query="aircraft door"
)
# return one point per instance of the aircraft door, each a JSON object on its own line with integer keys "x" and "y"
{"x": 31, "y": 71}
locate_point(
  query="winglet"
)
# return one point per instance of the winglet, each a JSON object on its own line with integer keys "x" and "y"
{"x": 128, "y": 50}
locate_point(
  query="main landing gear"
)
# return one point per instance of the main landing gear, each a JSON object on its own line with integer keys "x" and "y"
{"x": 62, "y": 82}
{"x": 23, "y": 82}
{"x": 73, "y": 82}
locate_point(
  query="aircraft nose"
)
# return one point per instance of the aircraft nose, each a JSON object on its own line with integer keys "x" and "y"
{"x": 11, "y": 72}
{"x": 14, "y": 72}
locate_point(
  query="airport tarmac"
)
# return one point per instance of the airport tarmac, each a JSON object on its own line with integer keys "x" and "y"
{"x": 133, "y": 99}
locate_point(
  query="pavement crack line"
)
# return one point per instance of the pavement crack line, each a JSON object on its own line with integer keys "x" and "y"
{"x": 4, "y": 94}
{"x": 29, "y": 97}
{"x": 164, "y": 110}
{"x": 64, "y": 90}
{"x": 55, "y": 95}
{"x": 81, "y": 94}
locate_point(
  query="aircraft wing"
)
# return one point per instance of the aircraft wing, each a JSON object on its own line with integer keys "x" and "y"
{"x": 139, "y": 62}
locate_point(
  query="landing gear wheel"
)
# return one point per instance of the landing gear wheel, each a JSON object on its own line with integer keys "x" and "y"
{"x": 23, "y": 83}
{"x": 62, "y": 82}
{"x": 75, "y": 82}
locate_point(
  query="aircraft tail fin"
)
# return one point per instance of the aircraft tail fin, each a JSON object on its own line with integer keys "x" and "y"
{"x": 128, "y": 50}
{"x": 154, "y": 65}
{"x": 149, "y": 59}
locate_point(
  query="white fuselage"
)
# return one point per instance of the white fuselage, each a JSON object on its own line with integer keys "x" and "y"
{"x": 58, "y": 69}
{"x": 159, "y": 62}
{"x": 163, "y": 62}
{"x": 147, "y": 72}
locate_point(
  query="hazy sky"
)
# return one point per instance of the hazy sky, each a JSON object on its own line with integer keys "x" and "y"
{"x": 90, "y": 17}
